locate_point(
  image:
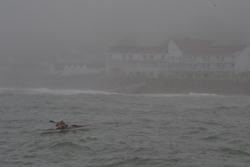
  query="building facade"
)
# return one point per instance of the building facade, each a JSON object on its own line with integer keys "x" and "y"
{"x": 136, "y": 61}
{"x": 203, "y": 58}
{"x": 182, "y": 58}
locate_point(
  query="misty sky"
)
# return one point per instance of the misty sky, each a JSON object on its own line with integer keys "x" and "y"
{"x": 45, "y": 24}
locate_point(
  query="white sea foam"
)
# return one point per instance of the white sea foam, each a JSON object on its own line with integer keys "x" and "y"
{"x": 180, "y": 95}
{"x": 67, "y": 92}
{"x": 56, "y": 91}
{"x": 202, "y": 94}
{"x": 77, "y": 92}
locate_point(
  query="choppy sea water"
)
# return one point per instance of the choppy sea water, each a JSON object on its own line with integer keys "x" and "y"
{"x": 125, "y": 130}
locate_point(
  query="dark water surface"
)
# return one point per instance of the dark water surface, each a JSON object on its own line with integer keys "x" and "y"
{"x": 125, "y": 130}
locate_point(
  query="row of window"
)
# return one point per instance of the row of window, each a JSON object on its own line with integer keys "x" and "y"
{"x": 207, "y": 66}
{"x": 207, "y": 58}
{"x": 145, "y": 73}
{"x": 144, "y": 57}
{"x": 204, "y": 58}
{"x": 163, "y": 57}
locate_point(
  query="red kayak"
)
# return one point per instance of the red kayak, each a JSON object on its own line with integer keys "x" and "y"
{"x": 73, "y": 127}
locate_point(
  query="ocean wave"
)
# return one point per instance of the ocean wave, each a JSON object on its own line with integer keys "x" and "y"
{"x": 94, "y": 92}
{"x": 55, "y": 91}
{"x": 122, "y": 161}
{"x": 211, "y": 138}
{"x": 234, "y": 152}
{"x": 227, "y": 108}
{"x": 197, "y": 130}
{"x": 180, "y": 95}
{"x": 66, "y": 144}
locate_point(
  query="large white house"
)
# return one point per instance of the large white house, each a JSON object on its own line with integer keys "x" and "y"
{"x": 67, "y": 69}
{"x": 76, "y": 61}
{"x": 180, "y": 58}
{"x": 134, "y": 61}
{"x": 203, "y": 58}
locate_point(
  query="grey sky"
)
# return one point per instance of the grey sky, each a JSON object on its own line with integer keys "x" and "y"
{"x": 41, "y": 24}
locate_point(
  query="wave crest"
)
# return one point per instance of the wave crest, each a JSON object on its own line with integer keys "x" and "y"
{"x": 55, "y": 91}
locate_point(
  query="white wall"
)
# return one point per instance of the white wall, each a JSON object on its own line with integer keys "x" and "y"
{"x": 137, "y": 64}
{"x": 174, "y": 50}
{"x": 242, "y": 61}
{"x": 136, "y": 56}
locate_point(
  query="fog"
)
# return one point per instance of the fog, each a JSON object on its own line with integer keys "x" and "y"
{"x": 41, "y": 26}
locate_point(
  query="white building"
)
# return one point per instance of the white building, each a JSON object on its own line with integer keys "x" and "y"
{"x": 74, "y": 69}
{"x": 187, "y": 58}
{"x": 242, "y": 61}
{"x": 135, "y": 61}
{"x": 67, "y": 69}
{"x": 203, "y": 58}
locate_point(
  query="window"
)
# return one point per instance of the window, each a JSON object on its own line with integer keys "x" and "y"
{"x": 163, "y": 57}
{"x": 220, "y": 66}
{"x": 163, "y": 65}
{"x": 130, "y": 57}
{"x": 222, "y": 58}
{"x": 151, "y": 57}
{"x": 205, "y": 58}
{"x": 124, "y": 57}
{"x": 194, "y": 58}
{"x": 205, "y": 66}
{"x": 193, "y": 66}
{"x": 131, "y": 64}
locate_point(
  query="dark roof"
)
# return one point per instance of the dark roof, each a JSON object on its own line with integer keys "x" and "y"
{"x": 62, "y": 65}
{"x": 88, "y": 65}
{"x": 189, "y": 46}
{"x": 228, "y": 49}
{"x": 145, "y": 50}
{"x": 71, "y": 56}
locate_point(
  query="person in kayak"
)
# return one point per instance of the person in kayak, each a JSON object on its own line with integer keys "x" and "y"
{"x": 61, "y": 125}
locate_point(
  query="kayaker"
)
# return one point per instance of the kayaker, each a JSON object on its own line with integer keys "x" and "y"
{"x": 61, "y": 125}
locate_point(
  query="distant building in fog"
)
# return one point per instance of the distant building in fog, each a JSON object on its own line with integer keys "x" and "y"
{"x": 81, "y": 60}
{"x": 24, "y": 64}
{"x": 66, "y": 69}
{"x": 183, "y": 58}
{"x": 147, "y": 61}
{"x": 203, "y": 58}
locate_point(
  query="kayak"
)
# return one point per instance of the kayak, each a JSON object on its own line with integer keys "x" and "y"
{"x": 73, "y": 127}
